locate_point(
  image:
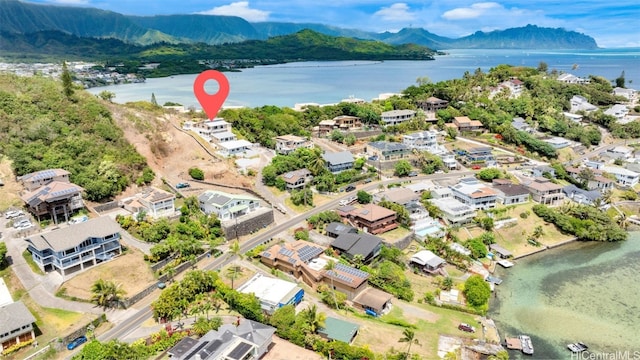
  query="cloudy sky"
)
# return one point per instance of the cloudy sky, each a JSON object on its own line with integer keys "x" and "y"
{"x": 612, "y": 24}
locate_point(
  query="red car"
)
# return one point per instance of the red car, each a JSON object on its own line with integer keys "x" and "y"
{"x": 466, "y": 327}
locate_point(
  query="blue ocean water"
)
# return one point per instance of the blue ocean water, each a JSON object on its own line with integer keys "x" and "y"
{"x": 330, "y": 82}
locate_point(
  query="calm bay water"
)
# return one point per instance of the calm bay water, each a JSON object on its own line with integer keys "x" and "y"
{"x": 587, "y": 292}
{"x": 330, "y": 82}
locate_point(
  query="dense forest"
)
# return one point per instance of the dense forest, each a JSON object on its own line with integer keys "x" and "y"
{"x": 44, "y": 126}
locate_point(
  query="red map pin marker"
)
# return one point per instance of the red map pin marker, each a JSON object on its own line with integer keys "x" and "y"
{"x": 211, "y": 103}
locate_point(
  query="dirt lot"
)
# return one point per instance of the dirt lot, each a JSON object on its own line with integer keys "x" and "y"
{"x": 129, "y": 270}
{"x": 284, "y": 350}
{"x": 10, "y": 190}
{"x": 170, "y": 152}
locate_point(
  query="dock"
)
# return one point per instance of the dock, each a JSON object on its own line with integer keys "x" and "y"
{"x": 505, "y": 263}
{"x": 513, "y": 343}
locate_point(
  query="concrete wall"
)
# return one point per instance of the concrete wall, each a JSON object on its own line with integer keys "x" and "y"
{"x": 247, "y": 224}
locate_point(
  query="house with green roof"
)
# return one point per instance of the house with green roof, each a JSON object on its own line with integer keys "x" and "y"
{"x": 339, "y": 330}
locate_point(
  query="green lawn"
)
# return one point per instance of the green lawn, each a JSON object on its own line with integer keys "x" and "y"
{"x": 27, "y": 256}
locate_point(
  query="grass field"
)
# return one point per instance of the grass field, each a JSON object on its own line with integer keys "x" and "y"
{"x": 128, "y": 270}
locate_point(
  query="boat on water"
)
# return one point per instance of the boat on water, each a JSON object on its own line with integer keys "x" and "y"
{"x": 527, "y": 345}
{"x": 577, "y": 347}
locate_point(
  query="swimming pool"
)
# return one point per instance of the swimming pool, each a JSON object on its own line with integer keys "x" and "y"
{"x": 429, "y": 231}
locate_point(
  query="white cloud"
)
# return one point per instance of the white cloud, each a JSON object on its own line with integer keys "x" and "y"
{"x": 241, "y": 9}
{"x": 395, "y": 13}
{"x": 474, "y": 11}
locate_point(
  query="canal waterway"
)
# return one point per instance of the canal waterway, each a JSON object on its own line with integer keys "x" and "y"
{"x": 587, "y": 292}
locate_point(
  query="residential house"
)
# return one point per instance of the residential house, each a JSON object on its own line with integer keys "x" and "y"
{"x": 234, "y": 148}
{"x": 16, "y": 325}
{"x": 286, "y": 144}
{"x": 479, "y": 154}
{"x": 242, "y": 340}
{"x": 424, "y": 141}
{"x": 57, "y": 200}
{"x": 432, "y": 104}
{"x": 454, "y": 211}
{"x": 335, "y": 229}
{"x": 558, "y": 142}
{"x": 338, "y": 162}
{"x": 273, "y": 293}
{"x": 297, "y": 179}
{"x": 544, "y": 191}
{"x": 573, "y": 117}
{"x": 306, "y": 261}
{"x": 580, "y": 103}
{"x": 427, "y": 261}
{"x": 520, "y": 124}
{"x": 385, "y": 150}
{"x": 595, "y": 182}
{"x": 624, "y": 177}
{"x": 325, "y": 127}
{"x": 571, "y": 79}
{"x": 208, "y": 127}
{"x": 221, "y": 137}
{"x": 441, "y": 193}
{"x": 464, "y": 124}
{"x": 511, "y": 194}
{"x": 513, "y": 86}
{"x": 620, "y": 152}
{"x": 347, "y": 122}
{"x": 397, "y": 117}
{"x": 351, "y": 244}
{"x": 398, "y": 195}
{"x": 618, "y": 111}
{"x": 76, "y": 247}
{"x": 338, "y": 330}
{"x": 226, "y": 205}
{"x": 449, "y": 160}
{"x": 580, "y": 196}
{"x": 35, "y": 180}
{"x": 472, "y": 192}
{"x": 152, "y": 201}
{"x": 370, "y": 218}
{"x": 539, "y": 171}
{"x": 629, "y": 94}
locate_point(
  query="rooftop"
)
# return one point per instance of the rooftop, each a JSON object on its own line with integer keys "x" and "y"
{"x": 268, "y": 289}
{"x": 372, "y": 212}
{"x": 219, "y": 198}
{"x": 338, "y": 157}
{"x": 353, "y": 244}
{"x": 72, "y": 236}
{"x": 387, "y": 146}
{"x": 14, "y": 316}
{"x": 340, "y": 330}
{"x": 43, "y": 174}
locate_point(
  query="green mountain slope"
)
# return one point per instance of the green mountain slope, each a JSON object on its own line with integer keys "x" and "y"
{"x": 416, "y": 36}
{"x": 528, "y": 37}
{"x": 200, "y": 28}
{"x": 20, "y": 17}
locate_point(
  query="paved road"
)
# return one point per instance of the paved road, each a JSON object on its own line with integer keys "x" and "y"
{"x": 130, "y": 324}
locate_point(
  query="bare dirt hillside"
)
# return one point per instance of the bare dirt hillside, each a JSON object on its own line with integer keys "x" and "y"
{"x": 170, "y": 152}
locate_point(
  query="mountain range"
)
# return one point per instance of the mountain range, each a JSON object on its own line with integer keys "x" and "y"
{"x": 17, "y": 17}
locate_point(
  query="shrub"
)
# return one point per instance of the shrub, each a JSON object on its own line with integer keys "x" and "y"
{"x": 196, "y": 173}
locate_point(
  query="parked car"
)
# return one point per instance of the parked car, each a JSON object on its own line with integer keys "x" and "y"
{"x": 77, "y": 342}
{"x": 466, "y": 327}
{"x": 24, "y": 226}
{"x": 20, "y": 222}
{"x": 413, "y": 173}
{"x": 78, "y": 220}
{"x": 367, "y": 180}
{"x": 349, "y": 188}
{"x": 12, "y": 214}
{"x": 182, "y": 185}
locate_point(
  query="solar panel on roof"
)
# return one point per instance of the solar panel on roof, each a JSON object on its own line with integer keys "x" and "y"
{"x": 63, "y": 192}
{"x": 364, "y": 212}
{"x": 44, "y": 174}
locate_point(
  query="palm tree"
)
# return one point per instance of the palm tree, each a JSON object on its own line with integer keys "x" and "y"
{"x": 234, "y": 250}
{"x": 606, "y": 196}
{"x": 317, "y": 164}
{"x": 107, "y": 293}
{"x": 331, "y": 265}
{"x": 358, "y": 260}
{"x": 232, "y": 273}
{"x": 409, "y": 336}
{"x": 313, "y": 319}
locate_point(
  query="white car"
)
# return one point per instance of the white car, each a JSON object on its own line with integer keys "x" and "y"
{"x": 24, "y": 226}
{"x": 12, "y": 214}
{"x": 78, "y": 220}
{"x": 21, "y": 222}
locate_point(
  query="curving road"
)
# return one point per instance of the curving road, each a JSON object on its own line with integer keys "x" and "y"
{"x": 135, "y": 321}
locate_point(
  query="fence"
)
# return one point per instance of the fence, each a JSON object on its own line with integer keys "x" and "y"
{"x": 106, "y": 206}
{"x": 83, "y": 330}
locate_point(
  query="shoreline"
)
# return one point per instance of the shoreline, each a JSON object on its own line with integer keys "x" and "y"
{"x": 546, "y": 247}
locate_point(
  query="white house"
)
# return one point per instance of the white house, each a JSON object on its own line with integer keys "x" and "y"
{"x": 227, "y": 206}
{"x": 475, "y": 194}
{"x": 571, "y": 79}
{"x": 395, "y": 117}
{"x": 424, "y": 140}
{"x": 233, "y": 148}
{"x": 152, "y": 201}
{"x": 286, "y": 144}
{"x": 620, "y": 152}
{"x": 453, "y": 211}
{"x": 629, "y": 94}
{"x": 618, "y": 111}
{"x": 580, "y": 103}
{"x": 624, "y": 177}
